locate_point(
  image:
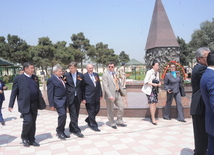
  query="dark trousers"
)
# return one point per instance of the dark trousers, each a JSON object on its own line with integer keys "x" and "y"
{"x": 210, "y": 145}
{"x": 1, "y": 117}
{"x": 29, "y": 123}
{"x": 92, "y": 109}
{"x": 167, "y": 108}
{"x": 74, "y": 109}
{"x": 200, "y": 135}
{"x": 61, "y": 119}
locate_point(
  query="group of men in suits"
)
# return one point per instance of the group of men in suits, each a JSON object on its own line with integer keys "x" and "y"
{"x": 73, "y": 88}
{"x": 66, "y": 91}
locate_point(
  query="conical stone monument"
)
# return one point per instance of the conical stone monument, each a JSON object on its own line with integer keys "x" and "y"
{"x": 161, "y": 43}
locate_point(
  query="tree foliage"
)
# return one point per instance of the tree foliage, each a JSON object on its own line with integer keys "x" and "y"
{"x": 81, "y": 44}
{"x": 123, "y": 57}
{"x": 15, "y": 49}
{"x": 203, "y": 37}
{"x": 101, "y": 54}
{"x": 186, "y": 54}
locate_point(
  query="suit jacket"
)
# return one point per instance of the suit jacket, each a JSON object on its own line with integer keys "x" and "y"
{"x": 207, "y": 91}
{"x": 150, "y": 75}
{"x": 170, "y": 82}
{"x": 91, "y": 93}
{"x": 109, "y": 86}
{"x": 21, "y": 90}
{"x": 197, "y": 104}
{"x": 71, "y": 88}
{"x": 56, "y": 92}
{"x": 2, "y": 98}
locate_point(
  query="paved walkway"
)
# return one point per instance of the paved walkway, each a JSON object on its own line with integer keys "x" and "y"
{"x": 140, "y": 137}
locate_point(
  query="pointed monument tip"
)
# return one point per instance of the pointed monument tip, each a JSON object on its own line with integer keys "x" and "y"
{"x": 160, "y": 33}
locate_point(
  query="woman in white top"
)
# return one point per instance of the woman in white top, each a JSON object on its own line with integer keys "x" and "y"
{"x": 150, "y": 88}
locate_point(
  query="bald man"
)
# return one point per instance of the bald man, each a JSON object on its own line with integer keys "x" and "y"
{"x": 92, "y": 94}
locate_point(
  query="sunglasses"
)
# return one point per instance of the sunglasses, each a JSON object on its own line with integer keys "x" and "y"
{"x": 110, "y": 66}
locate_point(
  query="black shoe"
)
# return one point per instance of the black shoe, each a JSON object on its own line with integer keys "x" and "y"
{"x": 166, "y": 118}
{"x": 66, "y": 136}
{"x": 182, "y": 120}
{"x": 61, "y": 136}
{"x": 152, "y": 121}
{"x": 123, "y": 125}
{"x": 34, "y": 143}
{"x": 3, "y": 123}
{"x": 25, "y": 143}
{"x": 114, "y": 127}
{"x": 94, "y": 128}
{"x": 79, "y": 134}
{"x": 86, "y": 120}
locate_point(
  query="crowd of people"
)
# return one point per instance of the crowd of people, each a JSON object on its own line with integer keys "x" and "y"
{"x": 71, "y": 89}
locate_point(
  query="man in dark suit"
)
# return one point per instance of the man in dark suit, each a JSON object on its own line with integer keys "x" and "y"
{"x": 197, "y": 108}
{"x": 207, "y": 92}
{"x": 57, "y": 99}
{"x": 74, "y": 87}
{"x": 25, "y": 88}
{"x": 2, "y": 98}
{"x": 92, "y": 94}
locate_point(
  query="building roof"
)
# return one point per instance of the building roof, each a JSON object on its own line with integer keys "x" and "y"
{"x": 4, "y": 62}
{"x": 134, "y": 62}
{"x": 160, "y": 33}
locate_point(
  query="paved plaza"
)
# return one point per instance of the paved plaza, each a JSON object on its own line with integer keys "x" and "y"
{"x": 140, "y": 137}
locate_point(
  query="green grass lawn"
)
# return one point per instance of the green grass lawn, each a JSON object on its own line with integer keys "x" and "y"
{"x": 9, "y": 86}
{"x": 138, "y": 76}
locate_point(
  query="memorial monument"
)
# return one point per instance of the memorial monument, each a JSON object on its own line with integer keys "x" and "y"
{"x": 161, "y": 42}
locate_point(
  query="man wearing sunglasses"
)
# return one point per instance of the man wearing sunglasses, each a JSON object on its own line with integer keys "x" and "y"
{"x": 113, "y": 92}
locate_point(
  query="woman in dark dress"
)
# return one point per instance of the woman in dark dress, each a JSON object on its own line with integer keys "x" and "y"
{"x": 150, "y": 88}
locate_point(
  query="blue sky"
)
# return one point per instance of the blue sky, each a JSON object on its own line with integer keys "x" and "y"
{"x": 122, "y": 24}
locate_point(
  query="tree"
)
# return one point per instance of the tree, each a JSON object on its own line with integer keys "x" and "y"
{"x": 81, "y": 44}
{"x": 101, "y": 54}
{"x": 123, "y": 57}
{"x": 204, "y": 37}
{"x": 15, "y": 49}
{"x": 62, "y": 54}
{"x": 43, "y": 53}
{"x": 186, "y": 54}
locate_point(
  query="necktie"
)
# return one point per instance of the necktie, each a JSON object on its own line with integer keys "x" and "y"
{"x": 74, "y": 79}
{"x": 93, "y": 79}
{"x": 61, "y": 81}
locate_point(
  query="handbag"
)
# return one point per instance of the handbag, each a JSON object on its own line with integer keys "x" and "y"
{"x": 41, "y": 103}
{"x": 155, "y": 81}
{"x": 182, "y": 91}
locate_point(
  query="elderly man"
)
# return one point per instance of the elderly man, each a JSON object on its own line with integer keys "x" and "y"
{"x": 57, "y": 99}
{"x": 197, "y": 108}
{"x": 92, "y": 96}
{"x": 113, "y": 92}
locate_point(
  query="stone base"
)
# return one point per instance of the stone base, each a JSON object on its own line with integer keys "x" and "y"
{"x": 136, "y": 105}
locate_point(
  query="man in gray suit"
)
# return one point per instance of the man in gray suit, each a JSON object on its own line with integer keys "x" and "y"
{"x": 113, "y": 91}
